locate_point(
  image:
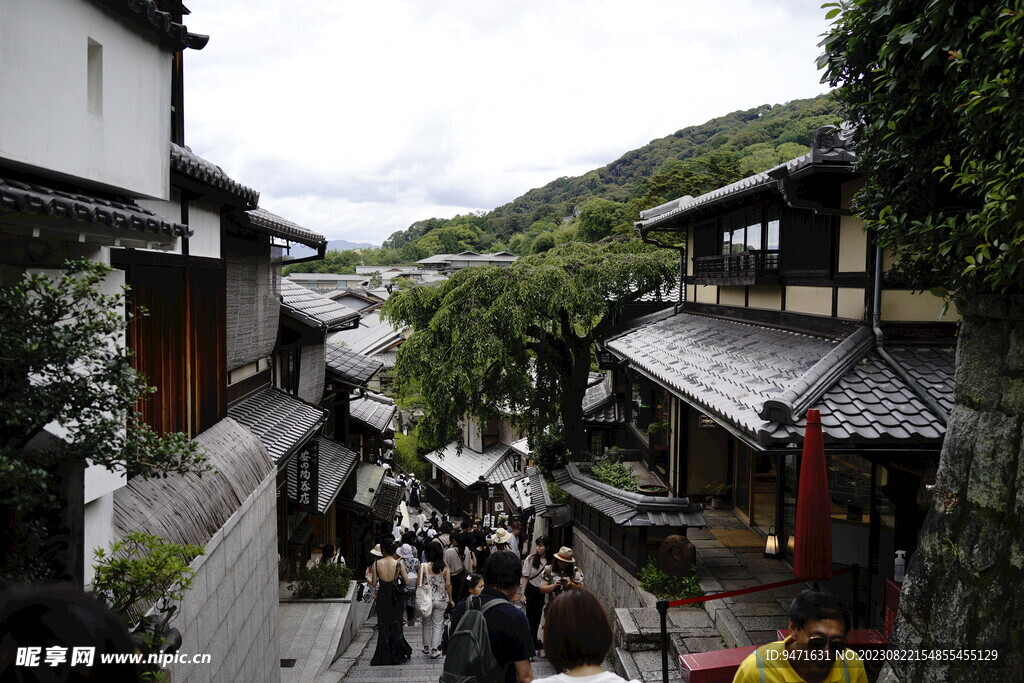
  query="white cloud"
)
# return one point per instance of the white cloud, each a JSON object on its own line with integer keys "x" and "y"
{"x": 356, "y": 119}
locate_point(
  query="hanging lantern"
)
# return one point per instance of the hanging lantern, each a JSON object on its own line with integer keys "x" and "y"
{"x": 771, "y": 544}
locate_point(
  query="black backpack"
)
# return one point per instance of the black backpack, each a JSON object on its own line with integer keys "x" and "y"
{"x": 469, "y": 658}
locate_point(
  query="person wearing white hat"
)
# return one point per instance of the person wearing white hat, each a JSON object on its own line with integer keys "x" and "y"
{"x": 500, "y": 539}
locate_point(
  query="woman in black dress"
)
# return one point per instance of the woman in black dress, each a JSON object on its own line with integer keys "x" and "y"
{"x": 392, "y": 647}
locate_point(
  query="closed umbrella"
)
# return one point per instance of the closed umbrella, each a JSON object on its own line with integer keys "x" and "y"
{"x": 812, "y": 552}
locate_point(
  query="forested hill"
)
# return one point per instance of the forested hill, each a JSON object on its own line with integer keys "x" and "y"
{"x": 609, "y": 199}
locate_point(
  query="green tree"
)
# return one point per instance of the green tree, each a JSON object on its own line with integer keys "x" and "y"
{"x": 518, "y": 340}
{"x": 599, "y": 217}
{"x": 935, "y": 88}
{"x": 140, "y": 571}
{"x": 544, "y": 242}
{"x": 61, "y": 365}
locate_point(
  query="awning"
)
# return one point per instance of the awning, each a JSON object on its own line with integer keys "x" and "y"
{"x": 336, "y": 464}
{"x": 274, "y": 225}
{"x": 281, "y": 422}
{"x": 760, "y": 381}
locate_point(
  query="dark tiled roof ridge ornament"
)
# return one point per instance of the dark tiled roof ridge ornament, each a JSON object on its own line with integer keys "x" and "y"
{"x": 804, "y": 392}
{"x": 172, "y": 35}
{"x": 191, "y": 165}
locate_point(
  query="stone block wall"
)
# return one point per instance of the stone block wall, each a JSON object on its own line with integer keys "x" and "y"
{"x": 231, "y": 610}
{"x": 605, "y": 578}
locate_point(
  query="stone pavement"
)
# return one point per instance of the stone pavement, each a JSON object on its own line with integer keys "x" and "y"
{"x": 354, "y": 664}
{"x": 750, "y": 619}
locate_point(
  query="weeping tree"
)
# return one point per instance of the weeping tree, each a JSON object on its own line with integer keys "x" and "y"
{"x": 934, "y": 89}
{"x": 519, "y": 340}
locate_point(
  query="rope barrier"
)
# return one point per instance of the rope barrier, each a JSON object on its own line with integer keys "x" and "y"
{"x": 752, "y": 589}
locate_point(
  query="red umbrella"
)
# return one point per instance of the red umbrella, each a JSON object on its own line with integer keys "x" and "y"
{"x": 812, "y": 552}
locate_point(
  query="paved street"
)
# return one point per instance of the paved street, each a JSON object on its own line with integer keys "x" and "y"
{"x": 354, "y": 664}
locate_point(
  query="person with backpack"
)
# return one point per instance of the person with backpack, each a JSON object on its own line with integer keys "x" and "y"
{"x": 490, "y": 638}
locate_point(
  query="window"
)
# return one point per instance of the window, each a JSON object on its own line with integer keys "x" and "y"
{"x": 94, "y": 77}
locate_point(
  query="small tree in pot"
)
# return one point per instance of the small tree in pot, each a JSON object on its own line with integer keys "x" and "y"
{"x": 718, "y": 490}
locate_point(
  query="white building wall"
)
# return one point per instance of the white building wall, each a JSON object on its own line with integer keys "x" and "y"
{"x": 204, "y": 219}
{"x": 45, "y": 103}
{"x": 231, "y": 610}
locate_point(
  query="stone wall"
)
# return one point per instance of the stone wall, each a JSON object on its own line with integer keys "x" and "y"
{"x": 231, "y": 610}
{"x": 604, "y": 577}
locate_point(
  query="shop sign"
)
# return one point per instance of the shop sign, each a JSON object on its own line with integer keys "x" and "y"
{"x": 307, "y": 463}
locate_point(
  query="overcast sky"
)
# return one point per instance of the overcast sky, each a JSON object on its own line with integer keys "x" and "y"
{"x": 357, "y": 119}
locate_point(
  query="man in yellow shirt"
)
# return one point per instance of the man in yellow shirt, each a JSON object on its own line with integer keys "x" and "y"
{"x": 815, "y": 652}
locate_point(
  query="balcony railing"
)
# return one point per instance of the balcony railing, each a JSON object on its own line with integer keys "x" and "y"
{"x": 745, "y": 268}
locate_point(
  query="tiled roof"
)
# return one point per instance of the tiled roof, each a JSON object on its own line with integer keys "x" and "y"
{"x": 336, "y": 464}
{"x": 373, "y": 411}
{"x": 387, "y": 358}
{"x": 281, "y": 422}
{"x": 470, "y": 467}
{"x": 762, "y": 380}
{"x": 31, "y": 198}
{"x": 597, "y": 394}
{"x": 191, "y": 165}
{"x": 279, "y": 227}
{"x": 831, "y": 147}
{"x": 389, "y": 495}
{"x": 372, "y": 336}
{"x": 144, "y": 13}
{"x": 313, "y": 309}
{"x": 353, "y": 301}
{"x": 626, "y": 507}
{"x": 599, "y": 406}
{"x": 349, "y": 366}
{"x": 538, "y": 491}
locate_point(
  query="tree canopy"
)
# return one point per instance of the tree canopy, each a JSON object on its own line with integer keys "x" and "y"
{"x": 518, "y": 340}
{"x": 934, "y": 88}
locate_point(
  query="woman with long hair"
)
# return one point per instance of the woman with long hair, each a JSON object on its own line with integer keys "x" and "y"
{"x": 434, "y": 573}
{"x": 577, "y": 638}
{"x": 392, "y": 647}
{"x": 533, "y": 578}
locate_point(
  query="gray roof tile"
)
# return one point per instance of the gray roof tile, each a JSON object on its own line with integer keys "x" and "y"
{"x": 191, "y": 165}
{"x": 371, "y": 337}
{"x": 146, "y": 13}
{"x": 312, "y": 309}
{"x": 628, "y": 508}
{"x": 273, "y": 224}
{"x": 469, "y": 467}
{"x": 281, "y": 422}
{"x": 731, "y": 369}
{"x": 121, "y": 214}
{"x": 349, "y": 366}
{"x": 373, "y": 411}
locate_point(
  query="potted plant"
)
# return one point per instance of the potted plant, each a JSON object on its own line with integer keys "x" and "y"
{"x": 717, "y": 490}
{"x": 652, "y": 490}
{"x": 657, "y": 428}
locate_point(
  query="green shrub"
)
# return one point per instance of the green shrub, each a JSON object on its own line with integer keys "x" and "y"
{"x": 550, "y": 451}
{"x": 407, "y": 455}
{"x": 614, "y": 473}
{"x": 558, "y": 496}
{"x": 322, "y": 581}
{"x": 667, "y": 587}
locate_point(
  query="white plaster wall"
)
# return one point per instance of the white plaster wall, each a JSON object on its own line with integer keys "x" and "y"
{"x": 231, "y": 610}
{"x": 98, "y": 528}
{"x": 170, "y": 209}
{"x": 44, "y": 104}
{"x": 204, "y": 219}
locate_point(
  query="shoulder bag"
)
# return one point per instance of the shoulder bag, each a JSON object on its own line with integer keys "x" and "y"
{"x": 424, "y": 600}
